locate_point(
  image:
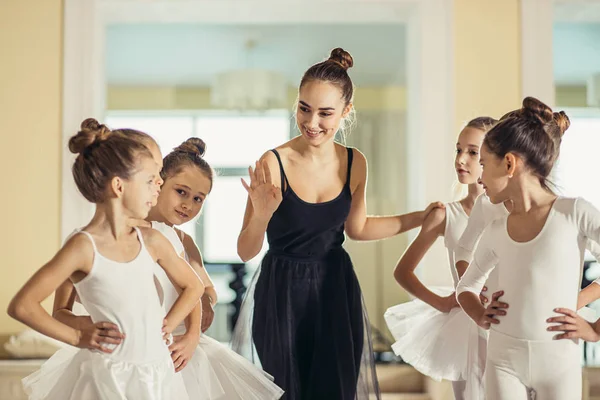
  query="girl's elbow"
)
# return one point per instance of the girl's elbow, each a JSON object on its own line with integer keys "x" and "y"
{"x": 17, "y": 310}
{"x": 353, "y": 233}
{"x": 243, "y": 252}
{"x": 56, "y": 313}
{"x": 243, "y": 256}
{"x": 402, "y": 274}
{"x": 398, "y": 276}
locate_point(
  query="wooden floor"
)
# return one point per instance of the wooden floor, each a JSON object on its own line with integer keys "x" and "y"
{"x": 397, "y": 382}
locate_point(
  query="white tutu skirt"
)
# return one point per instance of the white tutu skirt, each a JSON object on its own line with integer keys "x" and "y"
{"x": 440, "y": 345}
{"x": 216, "y": 372}
{"x": 75, "y": 374}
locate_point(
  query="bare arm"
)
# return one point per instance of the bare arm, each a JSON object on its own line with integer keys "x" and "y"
{"x": 433, "y": 227}
{"x": 264, "y": 197}
{"x": 179, "y": 272}
{"x": 76, "y": 255}
{"x": 359, "y": 226}
{"x": 589, "y": 294}
{"x": 197, "y": 263}
{"x": 64, "y": 298}
{"x": 251, "y": 237}
{"x": 588, "y": 220}
{"x": 193, "y": 321}
{"x": 183, "y": 346}
{"x": 209, "y": 298}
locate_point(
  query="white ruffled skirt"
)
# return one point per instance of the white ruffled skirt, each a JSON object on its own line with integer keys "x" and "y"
{"x": 76, "y": 374}
{"x": 440, "y": 345}
{"x": 216, "y": 372}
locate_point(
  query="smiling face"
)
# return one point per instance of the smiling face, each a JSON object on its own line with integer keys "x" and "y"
{"x": 183, "y": 194}
{"x": 320, "y": 111}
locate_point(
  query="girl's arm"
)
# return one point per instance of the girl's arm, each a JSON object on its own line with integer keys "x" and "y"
{"x": 192, "y": 321}
{"x": 359, "y": 226}
{"x": 209, "y": 299}
{"x": 64, "y": 299}
{"x": 588, "y": 219}
{"x": 264, "y": 197}
{"x": 433, "y": 227}
{"x": 476, "y": 224}
{"x": 179, "y": 272}
{"x": 197, "y": 263}
{"x": 570, "y": 323}
{"x": 76, "y": 255}
{"x": 573, "y": 326}
{"x": 592, "y": 291}
{"x": 589, "y": 294}
{"x": 471, "y": 284}
{"x": 184, "y": 346}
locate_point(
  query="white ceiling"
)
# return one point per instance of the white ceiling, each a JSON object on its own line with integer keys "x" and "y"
{"x": 191, "y": 54}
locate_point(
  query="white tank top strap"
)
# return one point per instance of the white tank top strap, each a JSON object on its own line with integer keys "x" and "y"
{"x": 185, "y": 254}
{"x": 140, "y": 237}
{"x": 170, "y": 234}
{"x": 89, "y": 236}
{"x": 144, "y": 252}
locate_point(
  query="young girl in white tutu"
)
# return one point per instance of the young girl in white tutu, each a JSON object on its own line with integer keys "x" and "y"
{"x": 431, "y": 333}
{"x": 209, "y": 369}
{"x": 119, "y": 175}
{"x": 214, "y": 371}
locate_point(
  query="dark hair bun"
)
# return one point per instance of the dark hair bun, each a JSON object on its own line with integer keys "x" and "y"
{"x": 342, "y": 57}
{"x": 532, "y": 107}
{"x": 194, "y": 146}
{"x": 562, "y": 120}
{"x": 91, "y": 132}
{"x": 556, "y": 123}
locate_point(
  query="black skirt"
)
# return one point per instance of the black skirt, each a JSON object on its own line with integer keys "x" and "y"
{"x": 304, "y": 322}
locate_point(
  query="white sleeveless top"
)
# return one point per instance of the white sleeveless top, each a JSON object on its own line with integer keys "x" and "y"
{"x": 456, "y": 222}
{"x": 125, "y": 294}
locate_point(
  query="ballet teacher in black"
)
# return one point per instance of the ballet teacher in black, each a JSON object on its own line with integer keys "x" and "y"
{"x": 304, "y": 315}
